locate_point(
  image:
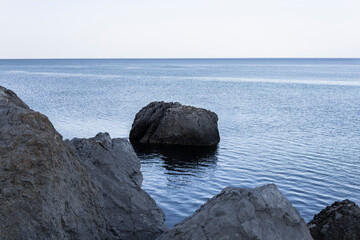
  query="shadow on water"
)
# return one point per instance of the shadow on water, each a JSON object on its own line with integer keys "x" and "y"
{"x": 178, "y": 159}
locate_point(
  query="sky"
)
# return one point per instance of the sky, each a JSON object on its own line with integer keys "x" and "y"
{"x": 179, "y": 29}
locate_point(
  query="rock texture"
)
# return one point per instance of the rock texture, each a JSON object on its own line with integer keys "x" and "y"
{"x": 340, "y": 221}
{"x": 45, "y": 192}
{"x": 173, "y": 123}
{"x": 114, "y": 166}
{"x": 79, "y": 189}
{"x": 261, "y": 213}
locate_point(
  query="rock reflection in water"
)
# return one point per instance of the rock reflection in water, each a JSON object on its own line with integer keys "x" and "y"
{"x": 180, "y": 160}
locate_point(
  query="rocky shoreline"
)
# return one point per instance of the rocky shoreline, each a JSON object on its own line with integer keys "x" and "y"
{"x": 91, "y": 188}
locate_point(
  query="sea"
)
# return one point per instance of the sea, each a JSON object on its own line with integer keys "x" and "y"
{"x": 292, "y": 122}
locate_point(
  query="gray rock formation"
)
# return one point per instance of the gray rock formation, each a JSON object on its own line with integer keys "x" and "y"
{"x": 114, "y": 166}
{"x": 45, "y": 192}
{"x": 340, "y": 221}
{"x": 173, "y": 123}
{"x": 81, "y": 189}
{"x": 259, "y": 213}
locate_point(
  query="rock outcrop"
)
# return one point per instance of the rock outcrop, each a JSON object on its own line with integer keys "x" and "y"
{"x": 79, "y": 189}
{"x": 45, "y": 192}
{"x": 173, "y": 123}
{"x": 261, "y": 213}
{"x": 115, "y": 168}
{"x": 91, "y": 188}
{"x": 340, "y": 221}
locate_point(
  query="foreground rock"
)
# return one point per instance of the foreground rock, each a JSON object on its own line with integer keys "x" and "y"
{"x": 81, "y": 189}
{"x": 173, "y": 123}
{"x": 235, "y": 213}
{"x": 114, "y": 166}
{"x": 45, "y": 192}
{"x": 339, "y": 221}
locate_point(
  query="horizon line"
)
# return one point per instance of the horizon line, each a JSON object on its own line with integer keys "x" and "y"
{"x": 181, "y": 58}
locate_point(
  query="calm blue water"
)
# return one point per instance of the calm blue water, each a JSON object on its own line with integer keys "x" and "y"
{"x": 292, "y": 122}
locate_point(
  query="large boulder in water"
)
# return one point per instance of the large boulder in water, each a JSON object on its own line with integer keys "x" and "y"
{"x": 236, "y": 213}
{"x": 115, "y": 168}
{"x": 45, "y": 192}
{"x": 339, "y": 221}
{"x": 173, "y": 123}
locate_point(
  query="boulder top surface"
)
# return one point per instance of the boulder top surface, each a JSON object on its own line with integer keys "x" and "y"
{"x": 239, "y": 213}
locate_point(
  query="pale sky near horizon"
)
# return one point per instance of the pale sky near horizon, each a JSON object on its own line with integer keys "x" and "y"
{"x": 179, "y": 29}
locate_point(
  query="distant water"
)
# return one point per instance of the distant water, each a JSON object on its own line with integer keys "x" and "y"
{"x": 292, "y": 122}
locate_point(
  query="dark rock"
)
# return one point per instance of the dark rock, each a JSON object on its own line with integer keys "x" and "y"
{"x": 259, "y": 213}
{"x": 114, "y": 166}
{"x": 339, "y": 221}
{"x": 79, "y": 189}
{"x": 45, "y": 192}
{"x": 173, "y": 123}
